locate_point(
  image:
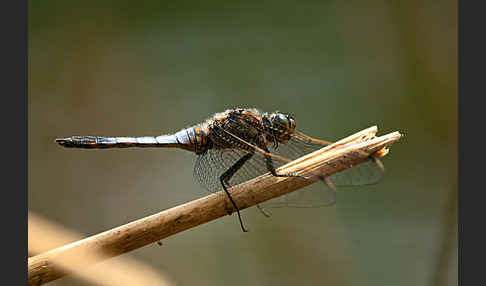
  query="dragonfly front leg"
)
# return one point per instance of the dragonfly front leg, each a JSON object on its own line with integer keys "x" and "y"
{"x": 273, "y": 171}
{"x": 226, "y": 176}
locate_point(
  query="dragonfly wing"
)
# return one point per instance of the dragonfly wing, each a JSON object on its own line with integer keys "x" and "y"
{"x": 211, "y": 165}
{"x": 295, "y": 148}
{"x": 215, "y": 162}
{"x": 366, "y": 173}
{"x": 369, "y": 172}
{"x": 316, "y": 195}
{"x": 319, "y": 195}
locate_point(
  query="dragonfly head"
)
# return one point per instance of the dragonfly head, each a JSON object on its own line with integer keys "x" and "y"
{"x": 283, "y": 125}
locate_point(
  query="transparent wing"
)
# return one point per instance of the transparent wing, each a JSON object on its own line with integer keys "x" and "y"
{"x": 319, "y": 195}
{"x": 369, "y": 172}
{"x": 215, "y": 162}
{"x": 211, "y": 165}
{"x": 316, "y": 195}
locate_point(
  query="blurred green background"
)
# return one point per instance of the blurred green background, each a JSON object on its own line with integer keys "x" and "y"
{"x": 152, "y": 67}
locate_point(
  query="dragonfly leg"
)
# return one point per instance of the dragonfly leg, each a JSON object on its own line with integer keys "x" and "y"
{"x": 226, "y": 176}
{"x": 273, "y": 171}
{"x": 262, "y": 211}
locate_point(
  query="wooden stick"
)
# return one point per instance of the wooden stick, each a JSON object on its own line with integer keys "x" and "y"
{"x": 331, "y": 159}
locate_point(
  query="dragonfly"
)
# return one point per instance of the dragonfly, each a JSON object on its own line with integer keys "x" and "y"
{"x": 239, "y": 144}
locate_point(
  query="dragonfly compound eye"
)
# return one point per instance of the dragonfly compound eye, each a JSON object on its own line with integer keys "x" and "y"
{"x": 281, "y": 121}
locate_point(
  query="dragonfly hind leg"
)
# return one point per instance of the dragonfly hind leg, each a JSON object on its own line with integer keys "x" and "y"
{"x": 226, "y": 176}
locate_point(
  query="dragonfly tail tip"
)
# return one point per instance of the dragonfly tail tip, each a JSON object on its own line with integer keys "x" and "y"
{"x": 63, "y": 141}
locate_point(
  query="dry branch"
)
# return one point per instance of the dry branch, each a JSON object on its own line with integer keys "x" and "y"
{"x": 334, "y": 158}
